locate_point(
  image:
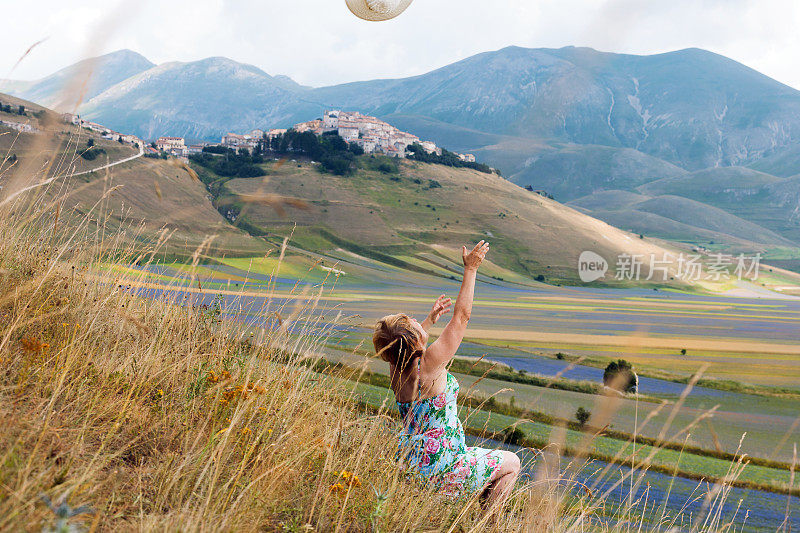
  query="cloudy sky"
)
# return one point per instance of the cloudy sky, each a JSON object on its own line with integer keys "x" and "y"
{"x": 318, "y": 42}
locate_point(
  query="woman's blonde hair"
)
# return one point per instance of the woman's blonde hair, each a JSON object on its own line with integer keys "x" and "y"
{"x": 396, "y": 341}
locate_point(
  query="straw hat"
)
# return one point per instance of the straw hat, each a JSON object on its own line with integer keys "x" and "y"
{"x": 377, "y": 10}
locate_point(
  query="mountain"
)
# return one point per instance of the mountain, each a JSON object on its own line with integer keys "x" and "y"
{"x": 735, "y": 206}
{"x": 692, "y": 108}
{"x": 62, "y": 89}
{"x": 199, "y": 99}
{"x": 783, "y": 162}
{"x": 764, "y": 199}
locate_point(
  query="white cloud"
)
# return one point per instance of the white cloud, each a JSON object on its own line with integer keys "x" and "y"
{"x": 318, "y": 42}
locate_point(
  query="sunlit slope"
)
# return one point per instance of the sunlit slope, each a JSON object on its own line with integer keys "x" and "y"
{"x": 407, "y": 214}
{"x": 144, "y": 195}
{"x": 159, "y": 196}
{"x": 52, "y": 147}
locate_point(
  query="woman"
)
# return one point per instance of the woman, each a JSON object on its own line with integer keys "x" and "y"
{"x": 432, "y": 440}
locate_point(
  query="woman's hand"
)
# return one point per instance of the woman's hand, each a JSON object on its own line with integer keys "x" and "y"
{"x": 472, "y": 260}
{"x": 440, "y": 307}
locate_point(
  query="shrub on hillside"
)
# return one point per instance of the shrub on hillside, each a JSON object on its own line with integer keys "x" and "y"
{"x": 336, "y": 165}
{"x": 582, "y": 416}
{"x": 91, "y": 152}
{"x": 387, "y": 168}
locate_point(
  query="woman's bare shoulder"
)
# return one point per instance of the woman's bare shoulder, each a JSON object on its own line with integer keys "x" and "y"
{"x": 433, "y": 379}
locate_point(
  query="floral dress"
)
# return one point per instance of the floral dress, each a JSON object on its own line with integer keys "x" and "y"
{"x": 432, "y": 444}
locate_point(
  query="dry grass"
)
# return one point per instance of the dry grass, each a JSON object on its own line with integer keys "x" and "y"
{"x": 167, "y": 417}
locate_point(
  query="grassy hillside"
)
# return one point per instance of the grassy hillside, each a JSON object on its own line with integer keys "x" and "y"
{"x": 678, "y": 219}
{"x": 784, "y": 162}
{"x": 607, "y": 200}
{"x": 422, "y": 212}
{"x": 155, "y": 195}
{"x": 718, "y": 185}
{"x": 577, "y": 170}
{"x": 763, "y": 199}
{"x": 54, "y": 148}
{"x": 143, "y": 196}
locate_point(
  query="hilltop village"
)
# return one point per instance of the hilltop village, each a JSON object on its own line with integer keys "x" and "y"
{"x": 371, "y": 134}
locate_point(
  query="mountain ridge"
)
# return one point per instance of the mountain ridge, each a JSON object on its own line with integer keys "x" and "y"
{"x": 571, "y": 94}
{"x": 573, "y": 121}
{"x": 103, "y": 71}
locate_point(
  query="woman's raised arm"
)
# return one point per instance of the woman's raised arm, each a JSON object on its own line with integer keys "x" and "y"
{"x": 441, "y": 351}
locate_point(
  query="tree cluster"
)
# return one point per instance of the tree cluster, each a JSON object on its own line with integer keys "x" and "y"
{"x": 333, "y": 153}
{"x": 619, "y": 375}
{"x": 8, "y": 108}
{"x": 229, "y": 163}
{"x": 418, "y": 153}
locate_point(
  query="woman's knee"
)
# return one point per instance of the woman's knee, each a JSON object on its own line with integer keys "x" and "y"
{"x": 510, "y": 465}
{"x": 513, "y": 462}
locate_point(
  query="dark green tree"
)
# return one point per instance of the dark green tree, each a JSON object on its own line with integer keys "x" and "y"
{"x": 619, "y": 375}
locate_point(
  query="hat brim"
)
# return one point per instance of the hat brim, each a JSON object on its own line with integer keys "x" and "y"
{"x": 360, "y": 9}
